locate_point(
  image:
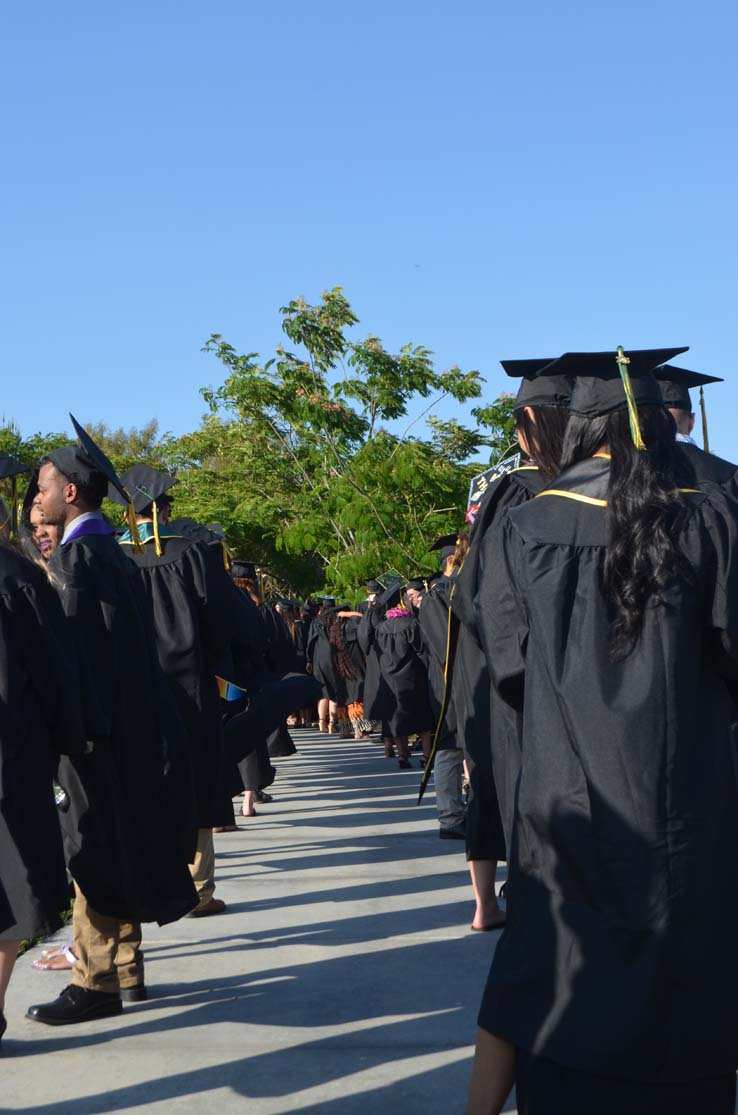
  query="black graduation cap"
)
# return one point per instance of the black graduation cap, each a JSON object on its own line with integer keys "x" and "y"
{"x": 374, "y": 586}
{"x": 676, "y": 382}
{"x": 86, "y": 459}
{"x": 244, "y": 569}
{"x": 10, "y": 467}
{"x": 328, "y": 601}
{"x": 599, "y": 386}
{"x": 146, "y": 485}
{"x": 420, "y": 584}
{"x": 392, "y": 591}
{"x": 553, "y": 391}
{"x": 446, "y": 544}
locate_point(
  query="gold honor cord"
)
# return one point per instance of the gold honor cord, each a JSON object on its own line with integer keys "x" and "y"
{"x": 703, "y": 408}
{"x": 157, "y": 540}
{"x": 452, "y": 639}
{"x": 635, "y": 429}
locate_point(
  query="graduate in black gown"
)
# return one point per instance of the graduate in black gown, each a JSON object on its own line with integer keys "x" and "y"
{"x": 192, "y": 601}
{"x": 40, "y": 717}
{"x": 403, "y": 665}
{"x": 675, "y": 384}
{"x": 541, "y": 412}
{"x": 378, "y": 700}
{"x": 610, "y": 623}
{"x": 122, "y": 849}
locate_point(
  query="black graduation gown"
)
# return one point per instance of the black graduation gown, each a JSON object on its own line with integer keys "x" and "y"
{"x": 300, "y": 642}
{"x": 354, "y": 685}
{"x": 402, "y": 663}
{"x": 619, "y": 954}
{"x": 377, "y": 696}
{"x": 281, "y": 658}
{"x": 433, "y": 619}
{"x": 122, "y": 846}
{"x": 40, "y": 716}
{"x": 324, "y": 668}
{"x": 492, "y": 772}
{"x": 707, "y": 466}
{"x": 191, "y": 596}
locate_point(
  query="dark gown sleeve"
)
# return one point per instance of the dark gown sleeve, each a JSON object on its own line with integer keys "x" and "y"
{"x": 720, "y": 516}
{"x": 87, "y": 638}
{"x": 500, "y": 613}
{"x": 43, "y": 643}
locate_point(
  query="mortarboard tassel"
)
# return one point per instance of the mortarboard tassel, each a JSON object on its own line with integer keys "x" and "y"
{"x": 227, "y": 559}
{"x": 703, "y": 408}
{"x": 135, "y": 536}
{"x": 635, "y": 426}
{"x": 14, "y": 508}
{"x": 157, "y": 539}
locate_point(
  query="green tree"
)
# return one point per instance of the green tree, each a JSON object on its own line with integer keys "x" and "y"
{"x": 312, "y": 468}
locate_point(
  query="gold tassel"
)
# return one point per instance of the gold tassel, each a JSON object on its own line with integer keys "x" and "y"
{"x": 135, "y": 536}
{"x": 635, "y": 427}
{"x": 703, "y": 408}
{"x": 14, "y": 508}
{"x": 227, "y": 559}
{"x": 157, "y": 539}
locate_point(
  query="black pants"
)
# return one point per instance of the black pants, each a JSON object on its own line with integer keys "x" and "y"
{"x": 545, "y": 1088}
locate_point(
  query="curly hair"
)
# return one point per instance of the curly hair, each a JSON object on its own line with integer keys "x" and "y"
{"x": 644, "y": 512}
{"x": 342, "y": 660}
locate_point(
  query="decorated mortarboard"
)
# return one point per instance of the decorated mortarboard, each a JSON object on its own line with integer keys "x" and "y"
{"x": 608, "y": 381}
{"x": 146, "y": 486}
{"x": 551, "y": 391}
{"x": 675, "y": 384}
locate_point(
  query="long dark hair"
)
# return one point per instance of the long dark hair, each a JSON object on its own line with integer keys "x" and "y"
{"x": 643, "y": 513}
{"x": 544, "y": 436}
{"x": 339, "y": 651}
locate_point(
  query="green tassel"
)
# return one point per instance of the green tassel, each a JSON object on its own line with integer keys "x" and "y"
{"x": 635, "y": 426}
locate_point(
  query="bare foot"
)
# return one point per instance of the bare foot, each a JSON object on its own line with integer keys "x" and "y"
{"x": 489, "y": 917}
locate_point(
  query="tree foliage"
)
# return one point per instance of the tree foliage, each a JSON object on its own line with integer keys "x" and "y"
{"x": 299, "y": 457}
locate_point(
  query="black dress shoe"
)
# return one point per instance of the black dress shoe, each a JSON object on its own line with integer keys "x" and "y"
{"x": 456, "y": 833}
{"x": 134, "y": 994}
{"x": 76, "y": 1004}
{"x": 259, "y": 795}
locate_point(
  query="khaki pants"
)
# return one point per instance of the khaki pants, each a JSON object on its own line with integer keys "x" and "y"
{"x": 203, "y": 868}
{"x": 108, "y": 950}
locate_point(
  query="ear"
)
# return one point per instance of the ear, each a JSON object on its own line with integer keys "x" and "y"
{"x": 531, "y": 414}
{"x": 692, "y": 419}
{"x": 69, "y": 493}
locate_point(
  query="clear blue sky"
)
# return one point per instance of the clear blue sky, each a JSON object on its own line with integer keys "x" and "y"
{"x": 490, "y": 180}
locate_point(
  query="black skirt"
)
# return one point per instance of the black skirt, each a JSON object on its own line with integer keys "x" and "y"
{"x": 546, "y": 1088}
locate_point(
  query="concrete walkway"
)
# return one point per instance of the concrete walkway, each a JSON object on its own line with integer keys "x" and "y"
{"x": 342, "y": 979}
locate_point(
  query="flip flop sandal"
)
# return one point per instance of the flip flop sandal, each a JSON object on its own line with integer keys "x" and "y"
{"x": 56, "y": 960}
